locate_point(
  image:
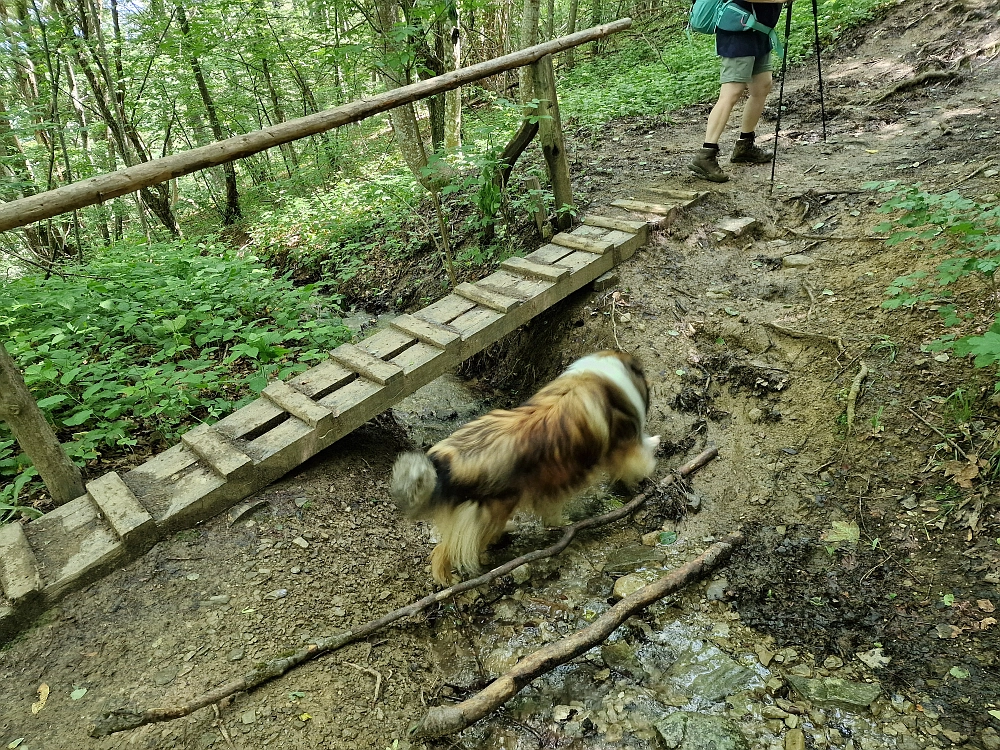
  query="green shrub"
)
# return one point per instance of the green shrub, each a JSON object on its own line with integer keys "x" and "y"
{"x": 135, "y": 346}
{"x": 964, "y": 237}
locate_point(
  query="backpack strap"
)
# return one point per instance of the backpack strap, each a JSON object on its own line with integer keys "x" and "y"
{"x": 741, "y": 19}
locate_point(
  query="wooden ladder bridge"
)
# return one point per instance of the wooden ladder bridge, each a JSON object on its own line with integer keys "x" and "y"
{"x": 215, "y": 466}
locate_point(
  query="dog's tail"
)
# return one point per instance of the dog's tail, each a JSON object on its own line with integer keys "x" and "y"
{"x": 414, "y": 479}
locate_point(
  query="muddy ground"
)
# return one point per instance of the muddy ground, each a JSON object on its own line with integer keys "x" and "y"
{"x": 325, "y": 549}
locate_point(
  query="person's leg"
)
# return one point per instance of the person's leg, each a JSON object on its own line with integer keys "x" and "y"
{"x": 736, "y": 73}
{"x": 759, "y": 87}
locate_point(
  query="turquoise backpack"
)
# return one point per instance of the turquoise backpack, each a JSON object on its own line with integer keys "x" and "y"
{"x": 708, "y": 15}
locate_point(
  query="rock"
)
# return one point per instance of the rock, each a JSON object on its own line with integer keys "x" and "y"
{"x": 795, "y": 739}
{"x": 236, "y": 654}
{"x": 300, "y": 542}
{"x": 833, "y": 662}
{"x": 620, "y": 656}
{"x": 755, "y": 415}
{"x": 796, "y": 261}
{"x": 652, "y": 538}
{"x": 703, "y": 670}
{"x": 791, "y": 721}
{"x": 628, "y": 559}
{"x": 773, "y": 712}
{"x": 990, "y": 739}
{"x": 690, "y": 731}
{"x": 732, "y": 226}
{"x": 834, "y": 691}
{"x": 764, "y": 655}
{"x": 631, "y": 583}
{"x": 249, "y": 717}
{"x": 521, "y": 575}
{"x": 801, "y": 670}
{"x": 716, "y": 590}
{"x": 165, "y": 676}
{"x": 276, "y": 594}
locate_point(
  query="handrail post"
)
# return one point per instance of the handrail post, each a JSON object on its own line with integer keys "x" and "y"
{"x": 550, "y": 136}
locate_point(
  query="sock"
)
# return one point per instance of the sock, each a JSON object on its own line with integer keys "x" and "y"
{"x": 714, "y": 146}
{"x": 747, "y": 136}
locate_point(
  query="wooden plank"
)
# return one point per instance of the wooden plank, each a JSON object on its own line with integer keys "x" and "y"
{"x": 387, "y": 343}
{"x": 322, "y": 379}
{"x": 487, "y": 298}
{"x": 580, "y": 242}
{"x": 260, "y": 415}
{"x": 422, "y": 363}
{"x": 356, "y": 403}
{"x": 133, "y": 524}
{"x": 298, "y": 405}
{"x": 549, "y": 254}
{"x": 578, "y": 260}
{"x": 446, "y": 309}
{"x": 367, "y": 365}
{"x": 481, "y": 327}
{"x": 429, "y": 333}
{"x": 20, "y": 575}
{"x": 217, "y": 452}
{"x": 686, "y": 197}
{"x": 622, "y": 225}
{"x": 534, "y": 270}
{"x": 514, "y": 286}
{"x": 661, "y": 209}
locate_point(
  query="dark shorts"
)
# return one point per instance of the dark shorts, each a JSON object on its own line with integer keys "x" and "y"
{"x": 742, "y": 69}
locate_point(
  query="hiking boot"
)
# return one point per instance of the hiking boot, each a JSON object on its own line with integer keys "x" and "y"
{"x": 706, "y": 166}
{"x": 746, "y": 152}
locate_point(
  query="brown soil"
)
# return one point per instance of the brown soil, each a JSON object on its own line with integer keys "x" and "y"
{"x": 927, "y": 558}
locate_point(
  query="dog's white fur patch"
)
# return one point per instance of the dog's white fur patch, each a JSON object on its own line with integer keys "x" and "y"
{"x": 614, "y": 370}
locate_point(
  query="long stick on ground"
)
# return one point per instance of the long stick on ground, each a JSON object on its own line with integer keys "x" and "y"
{"x": 121, "y": 719}
{"x": 442, "y": 720}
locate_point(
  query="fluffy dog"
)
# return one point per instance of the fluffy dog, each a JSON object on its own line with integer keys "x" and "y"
{"x": 588, "y": 421}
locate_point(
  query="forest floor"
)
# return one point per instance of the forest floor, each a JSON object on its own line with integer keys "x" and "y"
{"x": 911, "y": 592}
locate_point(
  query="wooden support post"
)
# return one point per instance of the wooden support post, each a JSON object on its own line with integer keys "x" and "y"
{"x": 550, "y": 135}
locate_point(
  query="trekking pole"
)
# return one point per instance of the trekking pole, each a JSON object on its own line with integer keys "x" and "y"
{"x": 781, "y": 89}
{"x": 819, "y": 69}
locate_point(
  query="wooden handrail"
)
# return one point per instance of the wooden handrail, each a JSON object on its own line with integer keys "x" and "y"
{"x": 98, "y": 189}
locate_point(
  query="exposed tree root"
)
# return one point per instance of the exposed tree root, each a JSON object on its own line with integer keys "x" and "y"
{"x": 917, "y": 80}
{"x": 122, "y": 719}
{"x": 852, "y": 396}
{"x": 832, "y": 340}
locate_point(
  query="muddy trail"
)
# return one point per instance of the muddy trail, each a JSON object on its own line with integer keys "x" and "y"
{"x": 856, "y": 615}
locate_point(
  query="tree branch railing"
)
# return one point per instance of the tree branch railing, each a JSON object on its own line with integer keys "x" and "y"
{"x": 101, "y": 188}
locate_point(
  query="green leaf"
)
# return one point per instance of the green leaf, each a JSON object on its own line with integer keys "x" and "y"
{"x": 959, "y": 673}
{"x": 79, "y": 418}
{"x": 78, "y": 693}
{"x": 50, "y": 401}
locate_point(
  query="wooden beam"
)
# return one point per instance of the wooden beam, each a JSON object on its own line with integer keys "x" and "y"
{"x": 550, "y": 136}
{"x": 105, "y": 187}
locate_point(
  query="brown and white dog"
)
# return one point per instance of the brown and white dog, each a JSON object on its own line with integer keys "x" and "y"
{"x": 588, "y": 421}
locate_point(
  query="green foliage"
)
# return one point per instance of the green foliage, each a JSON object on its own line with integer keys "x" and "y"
{"x": 964, "y": 238}
{"x": 138, "y": 344}
{"x": 668, "y": 69}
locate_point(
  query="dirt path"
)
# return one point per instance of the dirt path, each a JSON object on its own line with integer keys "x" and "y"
{"x": 325, "y": 549}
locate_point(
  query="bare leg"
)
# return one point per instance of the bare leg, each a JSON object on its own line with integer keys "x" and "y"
{"x": 758, "y": 88}
{"x": 729, "y": 95}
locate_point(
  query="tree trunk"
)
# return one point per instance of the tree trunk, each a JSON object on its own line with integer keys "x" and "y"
{"x": 569, "y": 59}
{"x": 35, "y": 436}
{"x": 231, "y": 213}
{"x": 453, "y": 98}
{"x": 597, "y": 12}
{"x": 529, "y": 38}
{"x": 550, "y": 19}
{"x": 550, "y": 135}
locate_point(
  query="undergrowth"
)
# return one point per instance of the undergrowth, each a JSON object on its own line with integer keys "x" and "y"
{"x": 962, "y": 238}
{"x": 127, "y": 351}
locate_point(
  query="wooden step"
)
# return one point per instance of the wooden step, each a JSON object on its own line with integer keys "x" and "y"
{"x": 131, "y": 521}
{"x": 587, "y": 244}
{"x": 20, "y": 576}
{"x": 487, "y": 297}
{"x": 622, "y": 225}
{"x": 533, "y": 270}
{"x": 367, "y": 365}
{"x": 217, "y": 452}
{"x": 429, "y": 333}
{"x": 299, "y": 405}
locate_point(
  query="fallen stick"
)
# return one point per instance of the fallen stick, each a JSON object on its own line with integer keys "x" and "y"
{"x": 917, "y": 80}
{"x": 833, "y": 237}
{"x": 121, "y": 719}
{"x": 983, "y": 167}
{"x": 443, "y": 720}
{"x": 950, "y": 442}
{"x": 837, "y": 342}
{"x": 852, "y": 395}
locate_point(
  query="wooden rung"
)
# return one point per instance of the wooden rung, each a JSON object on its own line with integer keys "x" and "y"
{"x": 131, "y": 521}
{"x": 587, "y": 244}
{"x": 219, "y": 454}
{"x": 299, "y": 405}
{"x": 621, "y": 225}
{"x": 367, "y": 366}
{"x": 427, "y": 332}
{"x": 322, "y": 379}
{"x": 679, "y": 195}
{"x": 20, "y": 577}
{"x": 661, "y": 209}
{"x": 532, "y": 270}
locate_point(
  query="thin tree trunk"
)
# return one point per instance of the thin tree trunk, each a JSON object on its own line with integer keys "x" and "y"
{"x": 529, "y": 38}
{"x": 453, "y": 98}
{"x": 550, "y": 19}
{"x": 569, "y": 59}
{"x": 231, "y": 213}
{"x": 35, "y": 436}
